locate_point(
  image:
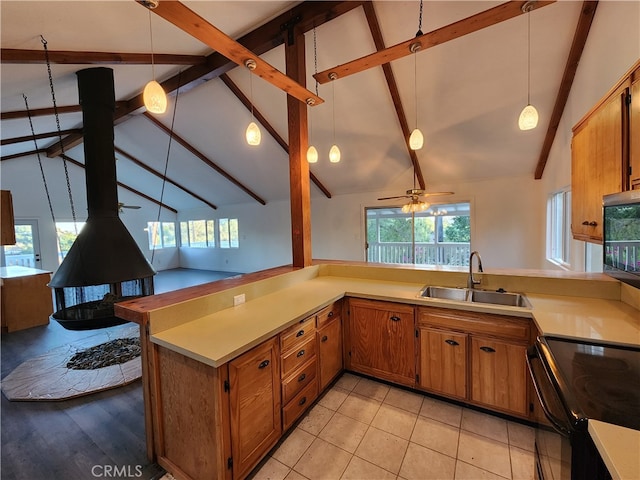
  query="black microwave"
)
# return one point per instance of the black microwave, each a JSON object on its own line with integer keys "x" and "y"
{"x": 621, "y": 243}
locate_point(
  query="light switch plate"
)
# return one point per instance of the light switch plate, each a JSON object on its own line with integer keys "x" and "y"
{"x": 238, "y": 299}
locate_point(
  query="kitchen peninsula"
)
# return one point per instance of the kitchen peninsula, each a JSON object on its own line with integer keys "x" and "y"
{"x": 197, "y": 336}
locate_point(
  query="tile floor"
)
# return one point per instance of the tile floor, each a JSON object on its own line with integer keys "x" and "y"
{"x": 366, "y": 430}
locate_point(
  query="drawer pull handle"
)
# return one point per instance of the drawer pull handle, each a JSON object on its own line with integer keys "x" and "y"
{"x": 300, "y": 333}
{"x": 300, "y": 353}
{"x": 330, "y": 315}
{"x": 302, "y": 377}
{"x": 593, "y": 224}
{"x": 395, "y": 319}
{"x": 453, "y": 343}
{"x": 488, "y": 349}
{"x": 586, "y": 222}
{"x": 324, "y": 338}
{"x": 302, "y": 401}
{"x": 264, "y": 364}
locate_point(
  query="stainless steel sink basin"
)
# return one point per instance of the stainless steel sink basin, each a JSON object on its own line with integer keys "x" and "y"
{"x": 475, "y": 296}
{"x": 446, "y": 293}
{"x": 500, "y": 298}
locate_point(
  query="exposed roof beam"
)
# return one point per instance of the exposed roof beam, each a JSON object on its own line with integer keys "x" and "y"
{"x": 203, "y": 157}
{"x": 577, "y": 46}
{"x": 376, "y": 33}
{"x": 444, "y": 34}
{"x": 43, "y": 112}
{"x": 126, "y": 187}
{"x": 160, "y": 175}
{"x": 38, "y": 136}
{"x": 16, "y": 56}
{"x": 22, "y": 154}
{"x": 265, "y": 123}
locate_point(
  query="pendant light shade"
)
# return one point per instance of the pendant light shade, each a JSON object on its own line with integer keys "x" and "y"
{"x": 528, "y": 118}
{"x": 334, "y": 154}
{"x": 416, "y": 140}
{"x": 155, "y": 100}
{"x": 312, "y": 154}
{"x": 253, "y": 134}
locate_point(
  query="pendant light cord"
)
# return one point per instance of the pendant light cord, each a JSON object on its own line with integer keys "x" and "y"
{"x": 419, "y": 32}
{"x": 62, "y": 153}
{"x": 529, "y": 57}
{"x": 153, "y": 68}
{"x": 415, "y": 83}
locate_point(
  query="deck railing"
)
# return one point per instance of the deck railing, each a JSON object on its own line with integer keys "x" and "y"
{"x": 450, "y": 253}
{"x": 623, "y": 255}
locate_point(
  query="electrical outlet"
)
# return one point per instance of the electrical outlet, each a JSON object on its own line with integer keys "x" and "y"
{"x": 238, "y": 299}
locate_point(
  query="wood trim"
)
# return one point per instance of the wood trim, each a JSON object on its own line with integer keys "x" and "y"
{"x": 38, "y": 136}
{"x": 160, "y": 175}
{"x": 376, "y": 33}
{"x": 18, "y": 56}
{"x": 268, "y": 127}
{"x": 203, "y": 157}
{"x": 577, "y": 46}
{"x": 479, "y": 21}
{"x": 22, "y": 154}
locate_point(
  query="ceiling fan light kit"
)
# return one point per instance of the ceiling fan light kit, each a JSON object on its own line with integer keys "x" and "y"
{"x": 528, "y": 119}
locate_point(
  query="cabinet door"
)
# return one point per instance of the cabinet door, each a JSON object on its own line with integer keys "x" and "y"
{"x": 330, "y": 351}
{"x": 382, "y": 340}
{"x": 443, "y": 362}
{"x": 499, "y": 375}
{"x": 634, "y": 132}
{"x": 254, "y": 379}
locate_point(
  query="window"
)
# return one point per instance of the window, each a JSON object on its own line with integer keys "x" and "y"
{"x": 559, "y": 227}
{"x": 228, "y": 228}
{"x": 161, "y": 234}
{"x": 67, "y": 233}
{"x": 198, "y": 234}
{"x": 440, "y": 235}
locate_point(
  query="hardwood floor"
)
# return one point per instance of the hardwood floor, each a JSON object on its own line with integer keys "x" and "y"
{"x": 95, "y": 436}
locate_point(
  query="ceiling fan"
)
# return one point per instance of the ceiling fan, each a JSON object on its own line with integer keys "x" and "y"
{"x": 416, "y": 196}
{"x": 421, "y": 41}
{"x": 122, "y": 205}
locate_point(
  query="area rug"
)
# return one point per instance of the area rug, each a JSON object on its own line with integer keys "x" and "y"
{"x": 48, "y": 377}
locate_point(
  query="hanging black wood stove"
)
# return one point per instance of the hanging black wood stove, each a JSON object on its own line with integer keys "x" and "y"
{"x": 104, "y": 264}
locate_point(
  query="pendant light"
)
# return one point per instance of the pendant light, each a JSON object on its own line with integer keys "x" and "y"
{"x": 312, "y": 152}
{"x": 529, "y": 116}
{"x": 334, "y": 152}
{"x": 155, "y": 100}
{"x": 252, "y": 134}
{"x": 416, "y": 139}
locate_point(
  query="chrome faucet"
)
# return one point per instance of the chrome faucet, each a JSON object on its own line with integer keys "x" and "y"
{"x": 472, "y": 281}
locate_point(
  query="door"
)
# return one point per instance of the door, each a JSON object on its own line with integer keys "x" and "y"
{"x": 499, "y": 375}
{"x": 382, "y": 340}
{"x": 330, "y": 350}
{"x": 254, "y": 379}
{"x": 26, "y": 251}
{"x": 443, "y": 362}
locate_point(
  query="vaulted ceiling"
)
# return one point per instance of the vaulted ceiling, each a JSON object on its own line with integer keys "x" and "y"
{"x": 468, "y": 92}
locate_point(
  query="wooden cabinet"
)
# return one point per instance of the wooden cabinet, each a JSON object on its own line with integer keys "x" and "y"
{"x": 443, "y": 362}
{"x": 254, "y": 381}
{"x": 299, "y": 369}
{"x": 329, "y": 345}
{"x": 476, "y": 357}
{"x": 7, "y": 227}
{"x": 634, "y": 129}
{"x": 25, "y": 298}
{"x": 381, "y": 340}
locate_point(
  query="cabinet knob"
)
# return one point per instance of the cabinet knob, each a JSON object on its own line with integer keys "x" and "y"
{"x": 453, "y": 343}
{"x": 302, "y": 401}
{"x": 488, "y": 349}
{"x": 300, "y": 333}
{"x": 586, "y": 222}
{"x": 330, "y": 314}
{"x": 264, "y": 364}
{"x": 324, "y": 338}
{"x": 302, "y": 377}
{"x": 300, "y": 353}
{"x": 593, "y": 224}
{"x": 395, "y": 319}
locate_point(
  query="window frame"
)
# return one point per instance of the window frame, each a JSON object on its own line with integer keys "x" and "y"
{"x": 558, "y": 244}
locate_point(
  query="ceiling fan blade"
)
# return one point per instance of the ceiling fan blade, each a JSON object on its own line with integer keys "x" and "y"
{"x": 393, "y": 198}
{"x": 444, "y": 34}
{"x": 135, "y": 207}
{"x": 196, "y": 26}
{"x": 435, "y": 194}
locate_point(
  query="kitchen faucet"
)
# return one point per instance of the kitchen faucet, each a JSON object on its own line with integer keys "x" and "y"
{"x": 472, "y": 281}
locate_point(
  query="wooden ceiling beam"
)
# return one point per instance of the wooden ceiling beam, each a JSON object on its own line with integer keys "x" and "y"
{"x": 146, "y": 167}
{"x": 68, "y": 57}
{"x": 38, "y": 136}
{"x": 479, "y": 21}
{"x": 268, "y": 127}
{"x": 44, "y": 112}
{"x": 203, "y": 157}
{"x": 22, "y": 154}
{"x": 376, "y": 33}
{"x": 587, "y": 14}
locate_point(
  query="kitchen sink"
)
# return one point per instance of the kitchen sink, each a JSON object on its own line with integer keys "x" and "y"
{"x": 475, "y": 296}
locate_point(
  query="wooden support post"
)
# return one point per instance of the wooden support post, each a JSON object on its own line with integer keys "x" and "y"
{"x": 298, "y": 166}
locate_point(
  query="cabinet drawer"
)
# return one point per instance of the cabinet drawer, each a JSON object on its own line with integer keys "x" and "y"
{"x": 299, "y": 379}
{"x": 297, "y": 334}
{"x": 329, "y": 313}
{"x": 295, "y": 358}
{"x": 514, "y": 328}
{"x": 296, "y": 407}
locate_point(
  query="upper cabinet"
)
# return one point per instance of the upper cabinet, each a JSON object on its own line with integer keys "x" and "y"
{"x": 605, "y": 155}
